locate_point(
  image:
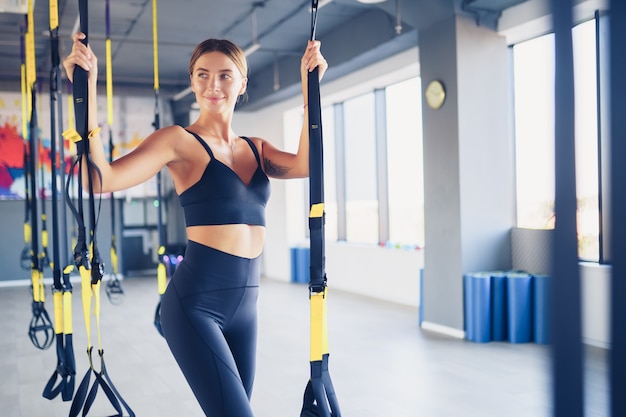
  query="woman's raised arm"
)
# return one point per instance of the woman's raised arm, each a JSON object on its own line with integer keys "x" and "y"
{"x": 156, "y": 151}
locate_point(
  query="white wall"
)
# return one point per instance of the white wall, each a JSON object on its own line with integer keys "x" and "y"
{"x": 596, "y": 302}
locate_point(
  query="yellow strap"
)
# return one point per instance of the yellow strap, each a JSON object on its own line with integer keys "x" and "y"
{"x": 72, "y": 135}
{"x": 27, "y": 233}
{"x": 155, "y": 44}
{"x": 24, "y": 103}
{"x": 161, "y": 272}
{"x": 31, "y": 75}
{"x": 58, "y": 312}
{"x": 67, "y": 305}
{"x": 67, "y": 313}
{"x": 96, "y": 310}
{"x": 317, "y": 210}
{"x": 319, "y": 326}
{"x": 54, "y": 14}
{"x": 114, "y": 261}
{"x": 39, "y": 293}
{"x": 85, "y": 284}
{"x": 44, "y": 236}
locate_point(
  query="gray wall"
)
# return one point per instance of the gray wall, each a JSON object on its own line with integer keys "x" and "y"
{"x": 468, "y": 163}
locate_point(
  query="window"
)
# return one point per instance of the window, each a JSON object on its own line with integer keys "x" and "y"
{"x": 360, "y": 169}
{"x": 330, "y": 189}
{"x": 534, "y": 131}
{"x": 405, "y": 170}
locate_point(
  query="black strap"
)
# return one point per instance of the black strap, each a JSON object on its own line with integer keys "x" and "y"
{"x": 161, "y": 268}
{"x": 114, "y": 289}
{"x": 617, "y": 353}
{"x": 40, "y": 329}
{"x": 62, "y": 379}
{"x": 567, "y": 357}
{"x": 91, "y": 279}
{"x": 25, "y": 260}
{"x": 319, "y": 395}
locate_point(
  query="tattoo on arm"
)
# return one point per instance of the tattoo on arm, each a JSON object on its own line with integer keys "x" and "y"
{"x": 273, "y": 170}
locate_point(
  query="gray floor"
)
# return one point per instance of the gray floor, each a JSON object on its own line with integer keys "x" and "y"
{"x": 382, "y": 364}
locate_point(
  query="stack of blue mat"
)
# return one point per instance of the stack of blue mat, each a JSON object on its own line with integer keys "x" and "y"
{"x": 507, "y": 306}
{"x": 300, "y": 264}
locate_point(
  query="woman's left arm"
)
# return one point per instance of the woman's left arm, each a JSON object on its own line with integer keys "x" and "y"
{"x": 285, "y": 165}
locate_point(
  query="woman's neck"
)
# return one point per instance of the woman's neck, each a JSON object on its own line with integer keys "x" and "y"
{"x": 214, "y": 125}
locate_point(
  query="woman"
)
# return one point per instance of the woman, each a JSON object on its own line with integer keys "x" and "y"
{"x": 208, "y": 312}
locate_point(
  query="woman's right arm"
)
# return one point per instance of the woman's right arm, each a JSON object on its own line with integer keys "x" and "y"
{"x": 156, "y": 151}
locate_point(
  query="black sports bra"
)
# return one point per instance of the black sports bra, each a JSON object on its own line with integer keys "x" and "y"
{"x": 221, "y": 197}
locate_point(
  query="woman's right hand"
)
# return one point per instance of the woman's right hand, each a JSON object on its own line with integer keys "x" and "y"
{"x": 83, "y": 56}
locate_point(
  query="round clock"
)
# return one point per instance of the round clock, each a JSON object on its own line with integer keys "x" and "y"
{"x": 435, "y": 94}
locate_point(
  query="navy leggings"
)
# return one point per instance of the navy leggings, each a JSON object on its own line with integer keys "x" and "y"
{"x": 208, "y": 317}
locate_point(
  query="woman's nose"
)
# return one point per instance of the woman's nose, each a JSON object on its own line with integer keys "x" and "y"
{"x": 214, "y": 84}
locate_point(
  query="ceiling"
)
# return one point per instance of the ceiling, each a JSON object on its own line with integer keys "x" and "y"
{"x": 353, "y": 34}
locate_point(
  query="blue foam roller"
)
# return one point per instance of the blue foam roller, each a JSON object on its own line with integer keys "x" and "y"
{"x": 479, "y": 300}
{"x": 300, "y": 261}
{"x": 498, "y": 306}
{"x": 519, "y": 298}
{"x": 541, "y": 313}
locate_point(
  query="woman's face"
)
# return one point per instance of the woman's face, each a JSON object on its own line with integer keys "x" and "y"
{"x": 217, "y": 82}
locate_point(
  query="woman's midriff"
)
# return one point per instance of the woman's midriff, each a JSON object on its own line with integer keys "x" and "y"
{"x": 237, "y": 239}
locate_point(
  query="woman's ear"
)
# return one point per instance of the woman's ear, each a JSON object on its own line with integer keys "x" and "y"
{"x": 244, "y": 84}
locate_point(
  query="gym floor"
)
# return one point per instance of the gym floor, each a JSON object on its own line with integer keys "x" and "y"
{"x": 382, "y": 364}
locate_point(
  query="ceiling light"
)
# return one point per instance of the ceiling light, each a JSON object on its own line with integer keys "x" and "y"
{"x": 181, "y": 95}
{"x": 251, "y": 49}
{"x": 255, "y": 40}
{"x": 371, "y": 1}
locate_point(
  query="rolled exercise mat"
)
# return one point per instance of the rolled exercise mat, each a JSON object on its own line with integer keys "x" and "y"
{"x": 478, "y": 307}
{"x": 300, "y": 264}
{"x": 542, "y": 286}
{"x": 498, "y": 306}
{"x": 519, "y": 298}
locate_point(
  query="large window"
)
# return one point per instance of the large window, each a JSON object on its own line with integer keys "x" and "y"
{"x": 373, "y": 167}
{"x": 330, "y": 176}
{"x": 405, "y": 170}
{"x": 534, "y": 132}
{"x": 360, "y": 169}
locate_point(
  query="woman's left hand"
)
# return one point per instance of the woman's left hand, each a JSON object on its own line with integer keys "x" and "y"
{"x": 313, "y": 58}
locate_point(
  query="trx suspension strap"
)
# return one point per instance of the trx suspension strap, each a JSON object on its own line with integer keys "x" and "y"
{"x": 45, "y": 258}
{"x": 319, "y": 396}
{"x": 25, "y": 259}
{"x": 161, "y": 271}
{"x": 40, "y": 323}
{"x": 91, "y": 269}
{"x": 114, "y": 289}
{"x": 567, "y": 354}
{"x": 65, "y": 371}
{"x": 617, "y": 353}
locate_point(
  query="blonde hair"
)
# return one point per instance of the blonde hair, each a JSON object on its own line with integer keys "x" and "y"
{"x": 224, "y": 46}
